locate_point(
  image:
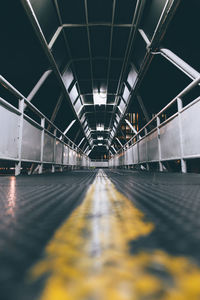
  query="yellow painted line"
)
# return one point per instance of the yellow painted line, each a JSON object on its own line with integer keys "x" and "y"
{"x": 88, "y": 258}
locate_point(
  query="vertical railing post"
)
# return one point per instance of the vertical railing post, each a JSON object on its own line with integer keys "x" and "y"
{"x": 54, "y": 152}
{"x": 159, "y": 145}
{"x": 62, "y": 159}
{"x": 42, "y": 146}
{"x": 20, "y": 136}
{"x": 183, "y": 162}
{"x": 138, "y": 150}
{"x": 146, "y": 144}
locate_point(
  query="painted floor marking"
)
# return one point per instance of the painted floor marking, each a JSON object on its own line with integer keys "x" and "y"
{"x": 89, "y": 258}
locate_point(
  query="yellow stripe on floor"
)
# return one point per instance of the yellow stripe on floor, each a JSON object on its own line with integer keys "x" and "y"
{"x": 88, "y": 258}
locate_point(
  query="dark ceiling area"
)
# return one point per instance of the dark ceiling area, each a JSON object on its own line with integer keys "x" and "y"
{"x": 103, "y": 54}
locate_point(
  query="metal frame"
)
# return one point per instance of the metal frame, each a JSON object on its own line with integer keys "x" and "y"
{"x": 165, "y": 18}
{"x": 36, "y": 26}
{"x": 44, "y": 121}
{"x": 144, "y": 132}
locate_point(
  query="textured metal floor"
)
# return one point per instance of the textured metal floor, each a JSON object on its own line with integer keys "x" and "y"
{"x": 172, "y": 202}
{"x": 33, "y": 208}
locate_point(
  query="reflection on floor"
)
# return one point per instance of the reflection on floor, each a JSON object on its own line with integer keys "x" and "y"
{"x": 119, "y": 235}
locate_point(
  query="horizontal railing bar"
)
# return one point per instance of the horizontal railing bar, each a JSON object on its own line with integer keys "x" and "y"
{"x": 33, "y": 122}
{"x": 180, "y": 95}
{"x": 190, "y": 104}
{"x": 168, "y": 120}
{"x": 15, "y": 92}
{"x": 10, "y": 87}
{"x": 10, "y": 106}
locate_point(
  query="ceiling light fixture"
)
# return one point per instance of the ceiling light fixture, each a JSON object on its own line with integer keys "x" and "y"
{"x": 100, "y": 127}
{"x": 100, "y": 98}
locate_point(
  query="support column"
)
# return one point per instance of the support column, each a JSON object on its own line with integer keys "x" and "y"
{"x": 183, "y": 162}
{"x": 20, "y": 134}
{"x": 159, "y": 145}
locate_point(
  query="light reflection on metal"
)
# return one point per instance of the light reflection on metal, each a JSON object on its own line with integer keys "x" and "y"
{"x": 12, "y": 197}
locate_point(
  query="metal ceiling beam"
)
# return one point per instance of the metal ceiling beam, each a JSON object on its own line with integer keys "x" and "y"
{"x": 60, "y": 28}
{"x": 135, "y": 22}
{"x": 119, "y": 141}
{"x": 110, "y": 48}
{"x": 143, "y": 108}
{"x": 56, "y": 109}
{"x": 67, "y": 47}
{"x": 89, "y": 45}
{"x": 68, "y": 128}
{"x": 38, "y": 85}
{"x": 55, "y": 36}
{"x": 179, "y": 63}
{"x": 165, "y": 18}
{"x": 96, "y": 24}
{"x": 114, "y": 149}
{"x": 89, "y": 94}
{"x": 173, "y": 58}
{"x": 36, "y": 26}
{"x": 65, "y": 38}
{"x": 81, "y": 142}
{"x": 131, "y": 126}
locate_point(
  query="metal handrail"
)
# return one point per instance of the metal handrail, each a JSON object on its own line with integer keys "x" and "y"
{"x": 20, "y": 96}
{"x": 180, "y": 95}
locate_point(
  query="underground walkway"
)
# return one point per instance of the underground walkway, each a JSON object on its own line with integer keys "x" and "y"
{"x": 99, "y": 235}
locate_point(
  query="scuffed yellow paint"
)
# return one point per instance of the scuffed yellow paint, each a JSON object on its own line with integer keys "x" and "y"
{"x": 89, "y": 259}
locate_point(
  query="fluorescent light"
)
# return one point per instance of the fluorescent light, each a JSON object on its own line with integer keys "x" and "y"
{"x": 100, "y": 144}
{"x": 100, "y": 98}
{"x": 100, "y": 127}
{"x": 99, "y": 138}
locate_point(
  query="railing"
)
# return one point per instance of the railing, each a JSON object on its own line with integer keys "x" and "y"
{"x": 176, "y": 138}
{"x": 23, "y": 139}
{"x": 99, "y": 163}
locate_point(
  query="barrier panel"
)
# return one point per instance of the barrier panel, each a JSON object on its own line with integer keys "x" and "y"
{"x": 25, "y": 140}
{"x": 176, "y": 138}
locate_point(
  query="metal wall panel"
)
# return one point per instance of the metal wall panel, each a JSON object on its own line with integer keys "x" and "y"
{"x": 84, "y": 162}
{"x": 74, "y": 158}
{"x": 59, "y": 152}
{"x": 132, "y": 76}
{"x": 130, "y": 156}
{"x": 9, "y": 133}
{"x": 48, "y": 155}
{"x": 65, "y": 155}
{"x": 71, "y": 157}
{"x": 142, "y": 150}
{"x": 121, "y": 159}
{"x": 170, "y": 140}
{"x": 135, "y": 154}
{"x": 190, "y": 120}
{"x": 31, "y": 142}
{"x": 152, "y": 146}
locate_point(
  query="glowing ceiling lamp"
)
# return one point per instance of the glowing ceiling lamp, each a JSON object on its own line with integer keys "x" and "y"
{"x": 100, "y": 98}
{"x": 99, "y": 138}
{"x": 100, "y": 127}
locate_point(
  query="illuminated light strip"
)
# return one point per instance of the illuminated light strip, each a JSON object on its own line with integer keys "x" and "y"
{"x": 89, "y": 257}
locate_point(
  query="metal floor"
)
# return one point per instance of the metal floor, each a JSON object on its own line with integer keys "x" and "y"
{"x": 135, "y": 236}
